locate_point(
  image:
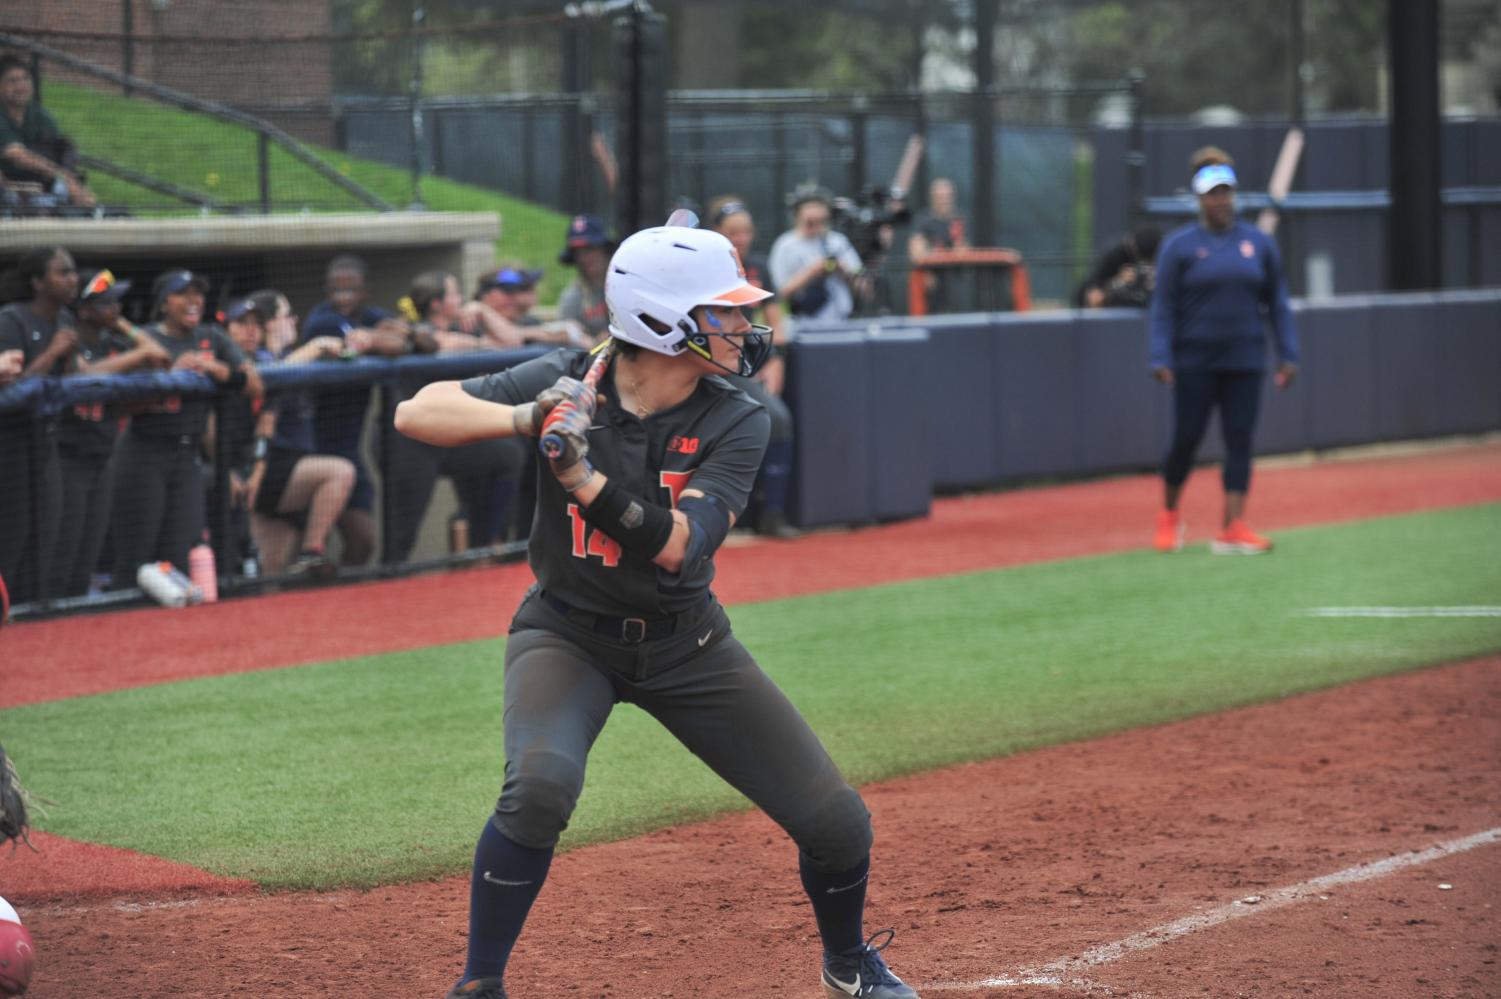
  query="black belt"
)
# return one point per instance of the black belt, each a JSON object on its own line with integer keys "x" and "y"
{"x": 631, "y": 630}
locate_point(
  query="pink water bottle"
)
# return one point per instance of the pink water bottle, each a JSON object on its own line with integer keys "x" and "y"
{"x": 201, "y": 569}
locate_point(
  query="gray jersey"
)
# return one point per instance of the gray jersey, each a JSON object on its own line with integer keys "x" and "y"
{"x": 712, "y": 441}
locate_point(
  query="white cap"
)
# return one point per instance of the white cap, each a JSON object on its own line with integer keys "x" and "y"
{"x": 1212, "y": 176}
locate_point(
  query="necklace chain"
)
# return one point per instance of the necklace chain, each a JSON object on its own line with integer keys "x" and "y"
{"x": 642, "y": 409}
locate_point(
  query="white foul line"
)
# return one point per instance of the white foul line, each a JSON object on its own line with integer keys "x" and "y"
{"x": 1474, "y": 611}
{"x": 1065, "y": 971}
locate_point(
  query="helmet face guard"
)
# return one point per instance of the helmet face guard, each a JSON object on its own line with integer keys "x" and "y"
{"x": 659, "y": 276}
{"x": 754, "y": 347}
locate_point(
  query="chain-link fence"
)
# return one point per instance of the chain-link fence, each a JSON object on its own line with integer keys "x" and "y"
{"x": 519, "y": 115}
{"x": 298, "y": 476}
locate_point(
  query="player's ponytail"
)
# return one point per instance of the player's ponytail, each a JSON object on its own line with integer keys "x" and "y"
{"x": 426, "y": 288}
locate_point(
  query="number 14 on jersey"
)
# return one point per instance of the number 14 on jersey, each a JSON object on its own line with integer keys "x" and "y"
{"x": 589, "y": 541}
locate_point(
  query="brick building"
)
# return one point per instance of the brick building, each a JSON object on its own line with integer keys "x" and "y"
{"x": 238, "y": 52}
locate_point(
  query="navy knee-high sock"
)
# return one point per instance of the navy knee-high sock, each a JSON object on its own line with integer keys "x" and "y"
{"x": 838, "y": 899}
{"x": 506, "y": 880}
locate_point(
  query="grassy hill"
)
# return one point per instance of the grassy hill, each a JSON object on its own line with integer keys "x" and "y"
{"x": 218, "y": 159}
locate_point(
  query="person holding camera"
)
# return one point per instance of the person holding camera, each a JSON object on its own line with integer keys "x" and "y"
{"x": 1124, "y": 275}
{"x": 814, "y": 267}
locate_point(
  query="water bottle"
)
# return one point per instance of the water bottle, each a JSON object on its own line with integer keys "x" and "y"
{"x": 155, "y": 578}
{"x": 180, "y": 579}
{"x": 201, "y": 567}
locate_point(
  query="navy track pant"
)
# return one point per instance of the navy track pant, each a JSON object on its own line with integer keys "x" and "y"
{"x": 1196, "y": 395}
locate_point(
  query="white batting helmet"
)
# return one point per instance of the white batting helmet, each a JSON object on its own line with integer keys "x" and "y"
{"x": 662, "y": 274}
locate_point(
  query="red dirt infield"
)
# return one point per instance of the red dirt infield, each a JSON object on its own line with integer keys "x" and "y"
{"x": 983, "y": 870}
{"x": 987, "y": 871}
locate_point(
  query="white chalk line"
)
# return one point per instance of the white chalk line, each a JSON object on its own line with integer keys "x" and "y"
{"x": 1479, "y": 610}
{"x": 1067, "y": 971}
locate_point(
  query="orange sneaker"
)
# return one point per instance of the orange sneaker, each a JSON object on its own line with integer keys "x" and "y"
{"x": 1169, "y": 536}
{"x": 1238, "y": 539}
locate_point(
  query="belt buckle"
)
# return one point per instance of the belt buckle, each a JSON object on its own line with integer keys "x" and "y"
{"x": 633, "y": 630}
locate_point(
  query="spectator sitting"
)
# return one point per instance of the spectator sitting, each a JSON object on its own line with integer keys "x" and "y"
{"x": 511, "y": 290}
{"x": 35, "y": 157}
{"x": 485, "y": 473}
{"x": 588, "y": 249}
{"x": 1124, "y": 275}
{"x": 339, "y": 414}
{"x": 436, "y": 308}
{"x": 729, "y": 216}
{"x": 38, "y": 321}
{"x": 107, "y": 345}
{"x": 288, "y": 490}
{"x": 158, "y": 477}
{"x": 812, "y": 266}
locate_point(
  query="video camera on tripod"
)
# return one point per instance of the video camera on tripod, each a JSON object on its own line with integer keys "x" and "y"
{"x": 866, "y": 219}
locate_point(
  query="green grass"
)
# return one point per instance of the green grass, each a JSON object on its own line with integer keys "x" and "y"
{"x": 218, "y": 159}
{"x": 379, "y": 769}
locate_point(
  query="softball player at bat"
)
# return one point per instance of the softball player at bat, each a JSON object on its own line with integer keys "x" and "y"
{"x": 653, "y": 470}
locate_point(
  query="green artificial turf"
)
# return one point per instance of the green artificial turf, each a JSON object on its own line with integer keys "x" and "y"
{"x": 219, "y": 159}
{"x": 380, "y": 769}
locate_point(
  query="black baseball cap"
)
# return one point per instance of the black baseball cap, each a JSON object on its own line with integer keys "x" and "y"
{"x": 241, "y": 308}
{"x": 172, "y": 282}
{"x": 100, "y": 288}
{"x": 585, "y": 230}
{"x": 510, "y": 279}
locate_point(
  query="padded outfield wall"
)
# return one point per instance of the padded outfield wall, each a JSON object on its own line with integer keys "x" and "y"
{"x": 889, "y": 413}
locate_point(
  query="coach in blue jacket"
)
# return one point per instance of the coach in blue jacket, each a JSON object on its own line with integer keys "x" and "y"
{"x": 1219, "y": 283}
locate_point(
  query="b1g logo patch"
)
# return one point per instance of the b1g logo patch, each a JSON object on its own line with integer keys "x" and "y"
{"x": 1246, "y": 249}
{"x": 683, "y": 445}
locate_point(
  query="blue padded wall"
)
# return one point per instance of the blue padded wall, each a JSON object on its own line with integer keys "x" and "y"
{"x": 902, "y": 421}
{"x": 1035, "y": 385}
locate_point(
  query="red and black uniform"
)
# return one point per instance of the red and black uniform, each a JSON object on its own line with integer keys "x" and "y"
{"x": 158, "y": 481}
{"x": 31, "y": 479}
{"x": 603, "y": 625}
{"x": 86, "y": 437}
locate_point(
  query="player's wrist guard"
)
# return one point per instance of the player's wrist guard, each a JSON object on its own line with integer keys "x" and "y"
{"x": 526, "y": 419}
{"x": 575, "y": 476}
{"x": 640, "y": 527}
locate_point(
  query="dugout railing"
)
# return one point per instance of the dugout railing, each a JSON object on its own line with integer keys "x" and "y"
{"x": 891, "y": 412}
{"x": 45, "y": 399}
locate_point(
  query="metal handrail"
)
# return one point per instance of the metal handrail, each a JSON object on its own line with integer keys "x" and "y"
{"x": 150, "y": 183}
{"x": 213, "y": 109}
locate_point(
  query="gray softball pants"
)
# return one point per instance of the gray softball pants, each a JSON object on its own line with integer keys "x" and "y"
{"x": 562, "y": 680}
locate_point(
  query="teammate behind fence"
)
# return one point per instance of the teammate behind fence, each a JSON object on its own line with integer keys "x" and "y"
{"x": 291, "y": 496}
{"x": 339, "y": 416}
{"x": 158, "y": 478}
{"x": 37, "y": 320}
{"x": 484, "y": 473}
{"x": 731, "y": 218}
{"x": 586, "y": 248}
{"x": 108, "y": 344}
{"x": 652, "y": 473}
{"x": 511, "y": 290}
